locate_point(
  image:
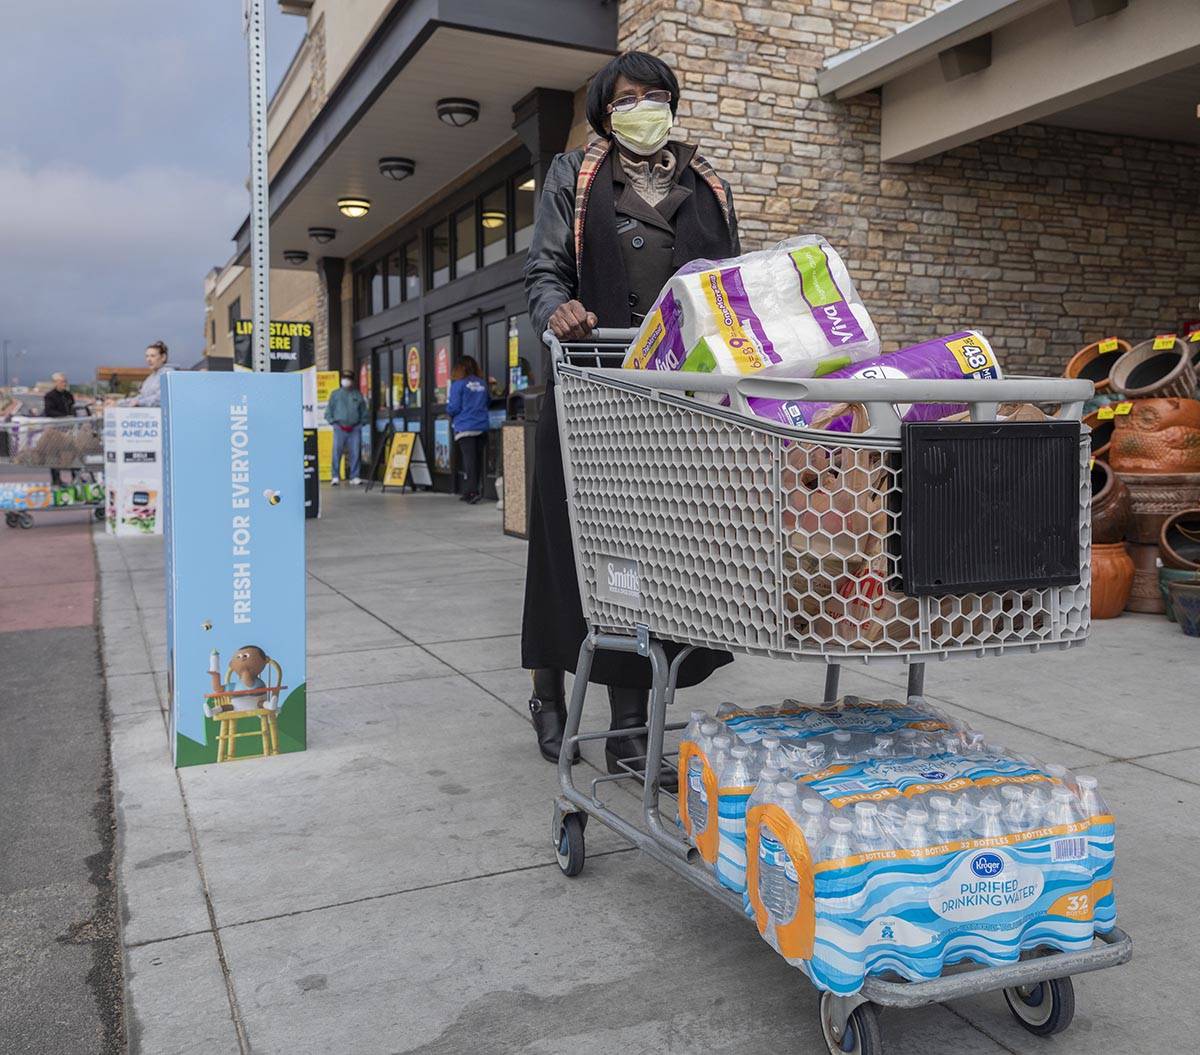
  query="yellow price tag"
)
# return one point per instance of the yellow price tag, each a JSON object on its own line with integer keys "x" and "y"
{"x": 1104, "y": 413}
{"x": 1109, "y": 344}
{"x": 1091, "y": 463}
{"x": 1194, "y": 336}
{"x": 1164, "y": 342}
{"x": 1123, "y": 408}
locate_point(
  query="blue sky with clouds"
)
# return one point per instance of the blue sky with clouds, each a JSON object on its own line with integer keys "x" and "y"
{"x": 123, "y": 160}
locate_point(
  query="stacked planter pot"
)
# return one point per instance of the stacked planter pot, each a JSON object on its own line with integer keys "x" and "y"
{"x": 1112, "y": 568}
{"x": 1154, "y": 451}
{"x": 1179, "y": 576}
{"x": 1094, "y": 363}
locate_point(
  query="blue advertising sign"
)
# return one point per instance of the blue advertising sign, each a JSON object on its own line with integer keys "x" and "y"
{"x": 234, "y": 489}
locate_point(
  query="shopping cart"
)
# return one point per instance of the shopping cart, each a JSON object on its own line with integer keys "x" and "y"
{"x": 699, "y": 523}
{"x": 62, "y": 445}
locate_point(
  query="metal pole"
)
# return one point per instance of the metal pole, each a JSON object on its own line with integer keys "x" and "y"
{"x": 260, "y": 219}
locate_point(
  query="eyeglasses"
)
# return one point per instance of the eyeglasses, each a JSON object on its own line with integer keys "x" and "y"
{"x": 628, "y": 102}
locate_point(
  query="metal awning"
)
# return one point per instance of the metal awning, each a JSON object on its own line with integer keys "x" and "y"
{"x": 979, "y": 67}
{"x": 494, "y": 53}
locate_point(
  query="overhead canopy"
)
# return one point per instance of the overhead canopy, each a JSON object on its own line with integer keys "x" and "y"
{"x": 979, "y": 67}
{"x": 386, "y": 106}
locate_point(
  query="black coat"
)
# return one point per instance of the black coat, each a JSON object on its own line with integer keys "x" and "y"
{"x": 59, "y": 404}
{"x": 553, "y": 627}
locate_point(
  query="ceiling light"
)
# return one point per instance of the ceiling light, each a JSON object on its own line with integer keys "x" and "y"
{"x": 397, "y": 168}
{"x": 295, "y": 256}
{"x": 527, "y": 185}
{"x": 322, "y": 235}
{"x": 354, "y": 208}
{"x": 457, "y": 112}
{"x": 493, "y": 218}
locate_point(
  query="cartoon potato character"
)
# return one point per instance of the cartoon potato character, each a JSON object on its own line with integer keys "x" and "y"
{"x": 245, "y": 672}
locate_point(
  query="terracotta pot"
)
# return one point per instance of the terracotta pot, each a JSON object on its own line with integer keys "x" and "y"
{"x": 1112, "y": 579}
{"x": 1112, "y": 515}
{"x": 1091, "y": 364}
{"x": 1157, "y": 436}
{"x": 1179, "y": 540}
{"x": 1144, "y": 597}
{"x": 1166, "y": 576}
{"x": 1185, "y": 606}
{"x": 1146, "y": 372}
{"x": 1102, "y": 432}
{"x": 1155, "y": 496}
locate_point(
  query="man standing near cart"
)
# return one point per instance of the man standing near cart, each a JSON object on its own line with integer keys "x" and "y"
{"x": 614, "y": 223}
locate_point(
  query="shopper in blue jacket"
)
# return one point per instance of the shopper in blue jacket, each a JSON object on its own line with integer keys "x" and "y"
{"x": 347, "y": 413}
{"x": 468, "y": 410}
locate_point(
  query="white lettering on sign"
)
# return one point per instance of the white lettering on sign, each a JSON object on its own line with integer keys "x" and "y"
{"x": 239, "y": 522}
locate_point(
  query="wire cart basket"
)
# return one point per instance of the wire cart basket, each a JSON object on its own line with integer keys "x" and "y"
{"x": 698, "y": 523}
{"x": 71, "y": 445}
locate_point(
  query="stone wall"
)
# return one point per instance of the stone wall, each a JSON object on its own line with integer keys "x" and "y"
{"x": 1045, "y": 238}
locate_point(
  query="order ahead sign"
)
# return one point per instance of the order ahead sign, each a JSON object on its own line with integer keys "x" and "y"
{"x": 235, "y": 564}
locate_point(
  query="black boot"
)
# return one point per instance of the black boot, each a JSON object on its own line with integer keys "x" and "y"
{"x": 629, "y": 710}
{"x": 549, "y": 713}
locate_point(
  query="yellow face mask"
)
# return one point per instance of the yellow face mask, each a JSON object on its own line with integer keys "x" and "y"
{"x": 644, "y": 129}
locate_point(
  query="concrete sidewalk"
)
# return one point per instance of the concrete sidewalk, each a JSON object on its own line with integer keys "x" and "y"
{"x": 393, "y": 889}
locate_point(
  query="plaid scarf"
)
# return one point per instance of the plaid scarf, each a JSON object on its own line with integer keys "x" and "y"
{"x": 594, "y": 156}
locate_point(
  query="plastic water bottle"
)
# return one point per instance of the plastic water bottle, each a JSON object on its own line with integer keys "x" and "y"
{"x": 838, "y": 844}
{"x": 951, "y": 743}
{"x": 731, "y": 817}
{"x": 697, "y": 793}
{"x": 988, "y": 824}
{"x": 1090, "y": 799}
{"x": 1014, "y": 814}
{"x": 773, "y": 755}
{"x": 945, "y": 823}
{"x": 964, "y": 814}
{"x": 842, "y": 747}
{"x": 915, "y": 832}
{"x": 722, "y": 742}
{"x": 1037, "y": 803}
{"x": 1064, "y": 806}
{"x": 816, "y": 756}
{"x": 1061, "y": 774}
{"x": 867, "y": 835}
{"x": 812, "y": 821}
{"x": 726, "y": 709}
{"x": 764, "y": 790}
{"x": 884, "y": 747}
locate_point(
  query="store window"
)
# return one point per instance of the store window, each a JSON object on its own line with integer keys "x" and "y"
{"x": 395, "y": 279}
{"x": 496, "y": 367}
{"x": 235, "y": 312}
{"x": 439, "y": 255}
{"x": 464, "y": 241}
{"x": 377, "y": 288}
{"x": 364, "y": 291}
{"x": 493, "y": 220}
{"x": 523, "y": 194}
{"x": 411, "y": 256}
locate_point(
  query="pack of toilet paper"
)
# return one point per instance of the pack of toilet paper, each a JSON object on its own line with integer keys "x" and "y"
{"x": 791, "y": 310}
{"x": 966, "y": 354}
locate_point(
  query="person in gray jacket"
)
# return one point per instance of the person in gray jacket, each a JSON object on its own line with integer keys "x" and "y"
{"x": 614, "y": 223}
{"x": 347, "y": 413}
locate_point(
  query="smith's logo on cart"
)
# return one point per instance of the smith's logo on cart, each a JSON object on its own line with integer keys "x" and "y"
{"x": 619, "y": 581}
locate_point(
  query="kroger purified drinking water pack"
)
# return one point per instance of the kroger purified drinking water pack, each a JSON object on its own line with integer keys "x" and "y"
{"x": 877, "y": 836}
{"x": 789, "y": 310}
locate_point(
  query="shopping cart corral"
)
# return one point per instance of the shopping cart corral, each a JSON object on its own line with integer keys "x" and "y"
{"x": 61, "y": 446}
{"x": 698, "y": 523}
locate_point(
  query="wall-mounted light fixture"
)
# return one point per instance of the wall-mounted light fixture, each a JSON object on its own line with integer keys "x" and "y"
{"x": 321, "y": 235}
{"x": 397, "y": 168}
{"x": 457, "y": 112}
{"x": 354, "y": 208}
{"x": 295, "y": 256}
{"x": 528, "y": 185}
{"x": 492, "y": 218}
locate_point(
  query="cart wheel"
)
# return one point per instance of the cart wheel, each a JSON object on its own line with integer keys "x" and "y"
{"x": 569, "y": 850}
{"x": 862, "y": 1035}
{"x": 11, "y": 519}
{"x": 98, "y": 513}
{"x": 1044, "y": 1008}
{"x": 25, "y": 519}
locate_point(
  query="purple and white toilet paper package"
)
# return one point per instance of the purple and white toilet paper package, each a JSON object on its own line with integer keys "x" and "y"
{"x": 966, "y": 354}
{"x": 792, "y": 310}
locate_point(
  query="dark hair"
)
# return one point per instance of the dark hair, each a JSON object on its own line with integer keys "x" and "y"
{"x": 348, "y": 374}
{"x": 160, "y": 346}
{"x": 466, "y": 367}
{"x": 641, "y": 68}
